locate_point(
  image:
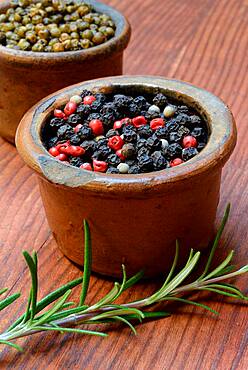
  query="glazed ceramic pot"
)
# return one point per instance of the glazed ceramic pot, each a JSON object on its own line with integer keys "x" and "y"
{"x": 134, "y": 219}
{"x": 27, "y": 77}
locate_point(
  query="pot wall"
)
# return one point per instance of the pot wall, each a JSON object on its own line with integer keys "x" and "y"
{"x": 138, "y": 230}
{"x": 22, "y": 86}
{"x": 27, "y": 77}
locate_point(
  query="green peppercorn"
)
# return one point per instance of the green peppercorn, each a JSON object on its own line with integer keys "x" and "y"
{"x": 10, "y": 11}
{"x": 7, "y": 27}
{"x": 87, "y": 34}
{"x": 110, "y": 32}
{"x": 44, "y": 34}
{"x": 24, "y": 44}
{"x": 30, "y": 27}
{"x": 24, "y": 3}
{"x": 75, "y": 35}
{"x": 98, "y": 38}
{"x": 67, "y": 44}
{"x": 26, "y": 20}
{"x": 53, "y": 41}
{"x": 85, "y": 44}
{"x": 83, "y": 25}
{"x": 21, "y": 31}
{"x": 3, "y": 18}
{"x": 53, "y": 25}
{"x": 58, "y": 47}
{"x": 73, "y": 27}
{"x": 17, "y": 18}
{"x": 83, "y": 10}
{"x": 64, "y": 36}
{"x": 55, "y": 32}
{"x": 88, "y": 18}
{"x": 38, "y": 47}
{"x": 31, "y": 37}
{"x": 75, "y": 16}
{"x": 65, "y": 28}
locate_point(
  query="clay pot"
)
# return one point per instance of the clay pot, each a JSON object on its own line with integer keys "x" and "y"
{"x": 27, "y": 77}
{"x": 134, "y": 219}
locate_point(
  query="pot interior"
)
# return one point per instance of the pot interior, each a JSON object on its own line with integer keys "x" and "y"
{"x": 134, "y": 90}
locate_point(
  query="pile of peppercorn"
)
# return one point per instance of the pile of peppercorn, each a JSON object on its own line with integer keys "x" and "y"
{"x": 116, "y": 133}
{"x": 53, "y": 26}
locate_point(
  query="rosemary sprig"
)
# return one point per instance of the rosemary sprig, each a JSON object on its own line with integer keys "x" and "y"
{"x": 64, "y": 315}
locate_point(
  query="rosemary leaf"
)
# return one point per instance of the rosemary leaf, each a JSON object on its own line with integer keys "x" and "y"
{"x": 7, "y": 301}
{"x": 32, "y": 264}
{"x": 216, "y": 241}
{"x": 4, "y": 290}
{"x": 10, "y": 344}
{"x": 87, "y": 263}
{"x": 192, "y": 303}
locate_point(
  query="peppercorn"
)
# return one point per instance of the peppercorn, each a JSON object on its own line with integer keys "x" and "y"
{"x": 137, "y": 149}
{"x": 139, "y": 121}
{"x": 160, "y": 100}
{"x": 145, "y": 163}
{"x": 123, "y": 167}
{"x": 115, "y": 142}
{"x": 154, "y": 109}
{"x": 174, "y": 137}
{"x": 169, "y": 111}
{"x": 128, "y": 150}
{"x": 56, "y": 122}
{"x": 70, "y": 108}
{"x": 134, "y": 169}
{"x": 88, "y": 100}
{"x": 197, "y": 132}
{"x": 74, "y": 119}
{"x": 157, "y": 123}
{"x": 174, "y": 150}
{"x": 176, "y": 162}
{"x": 54, "y": 151}
{"x": 49, "y": 20}
{"x": 97, "y": 127}
{"x": 65, "y": 132}
{"x": 86, "y": 166}
{"x": 99, "y": 166}
{"x": 189, "y": 141}
{"x": 113, "y": 170}
{"x": 159, "y": 161}
{"x": 111, "y": 133}
{"x": 58, "y": 113}
{"x": 62, "y": 157}
{"x": 129, "y": 136}
{"x": 189, "y": 153}
{"x": 76, "y": 161}
{"x": 113, "y": 160}
{"x": 84, "y": 132}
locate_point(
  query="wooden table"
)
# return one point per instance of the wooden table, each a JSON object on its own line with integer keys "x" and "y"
{"x": 201, "y": 41}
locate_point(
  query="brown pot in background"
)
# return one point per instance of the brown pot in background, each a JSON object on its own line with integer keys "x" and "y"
{"x": 27, "y": 77}
{"x": 134, "y": 219}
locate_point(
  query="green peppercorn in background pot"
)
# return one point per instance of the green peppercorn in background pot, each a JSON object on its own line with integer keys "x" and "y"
{"x": 134, "y": 219}
{"x": 26, "y": 76}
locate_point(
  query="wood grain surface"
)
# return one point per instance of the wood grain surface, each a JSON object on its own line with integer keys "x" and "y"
{"x": 204, "y": 42}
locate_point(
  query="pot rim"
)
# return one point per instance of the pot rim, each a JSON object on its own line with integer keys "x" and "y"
{"x": 116, "y": 44}
{"x": 220, "y": 145}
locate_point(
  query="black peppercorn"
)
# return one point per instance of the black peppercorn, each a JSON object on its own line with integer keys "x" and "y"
{"x": 160, "y": 100}
{"x": 174, "y": 150}
{"x": 189, "y": 153}
{"x": 74, "y": 119}
{"x": 85, "y": 132}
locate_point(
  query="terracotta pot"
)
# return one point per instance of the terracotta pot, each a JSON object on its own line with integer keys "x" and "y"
{"x": 27, "y": 77}
{"x": 134, "y": 219}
